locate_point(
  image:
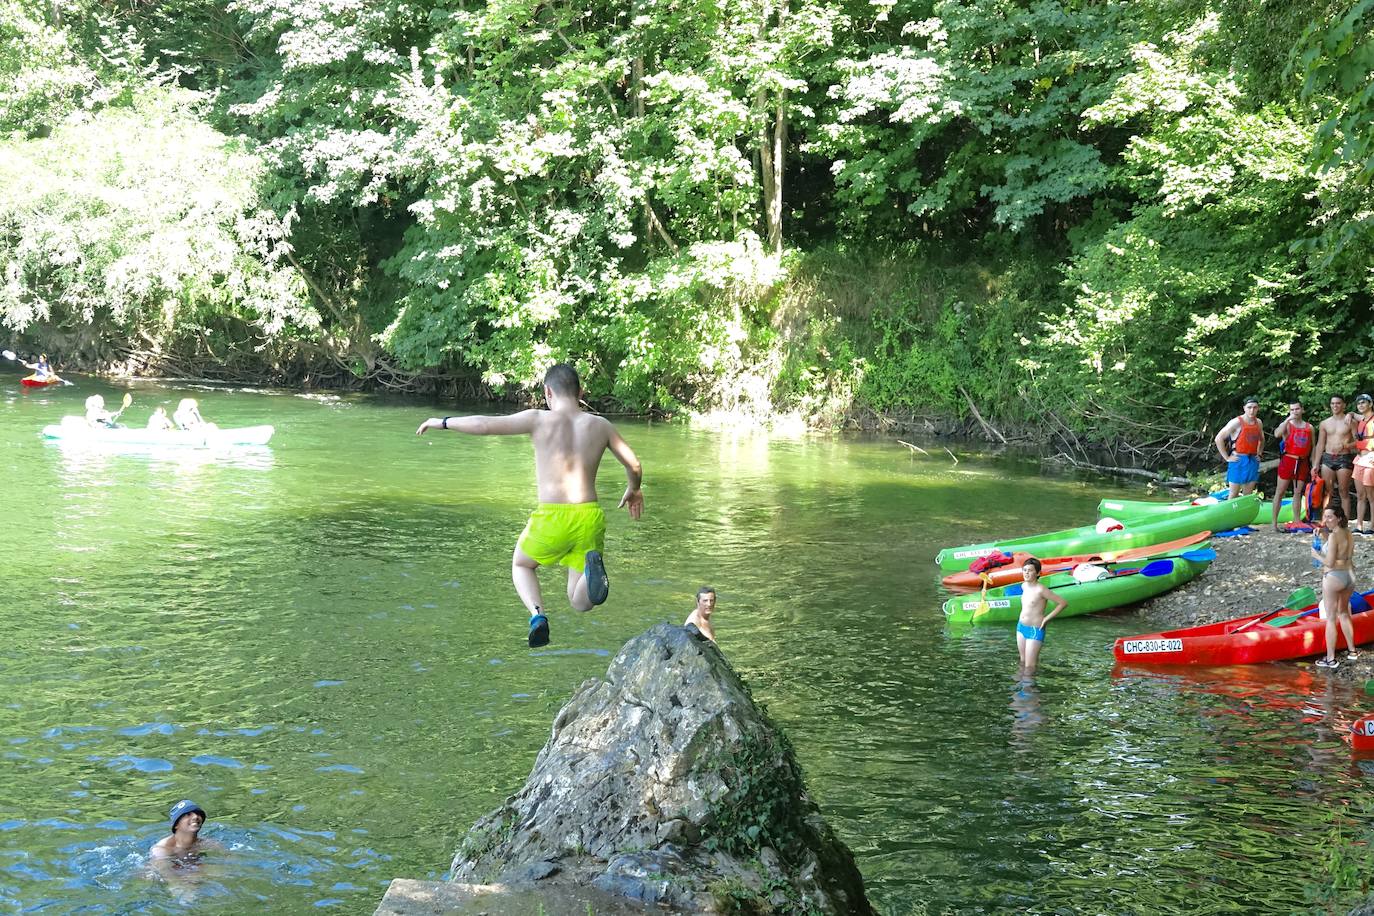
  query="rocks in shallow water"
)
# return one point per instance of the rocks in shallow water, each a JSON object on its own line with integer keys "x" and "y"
{"x": 665, "y": 783}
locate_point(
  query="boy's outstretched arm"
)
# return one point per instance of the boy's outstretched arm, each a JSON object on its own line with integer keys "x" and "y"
{"x": 634, "y": 474}
{"x": 515, "y": 424}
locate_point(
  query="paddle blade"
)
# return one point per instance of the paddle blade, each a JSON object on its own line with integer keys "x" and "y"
{"x": 982, "y": 608}
{"x": 9, "y": 354}
{"x": 128, "y": 399}
{"x": 1301, "y": 598}
{"x": 1158, "y": 568}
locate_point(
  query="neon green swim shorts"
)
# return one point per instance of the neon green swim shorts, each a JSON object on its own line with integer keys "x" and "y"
{"x": 563, "y": 533}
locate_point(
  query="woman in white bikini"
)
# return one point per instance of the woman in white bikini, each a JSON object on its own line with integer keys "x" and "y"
{"x": 1337, "y": 557}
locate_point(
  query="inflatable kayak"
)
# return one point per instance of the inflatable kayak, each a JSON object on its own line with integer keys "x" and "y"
{"x": 1128, "y": 584}
{"x": 1272, "y": 637}
{"x": 33, "y": 381}
{"x": 1088, "y": 540}
{"x": 1126, "y": 509}
{"x": 1011, "y": 572}
{"x": 75, "y": 429}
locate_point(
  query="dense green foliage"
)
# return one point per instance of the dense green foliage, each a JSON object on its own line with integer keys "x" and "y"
{"x": 1100, "y": 211}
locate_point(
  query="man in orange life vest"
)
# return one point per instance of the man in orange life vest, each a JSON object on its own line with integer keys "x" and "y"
{"x": 1244, "y": 436}
{"x": 1296, "y": 438}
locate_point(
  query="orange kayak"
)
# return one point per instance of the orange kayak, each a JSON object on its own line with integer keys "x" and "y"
{"x": 1006, "y": 575}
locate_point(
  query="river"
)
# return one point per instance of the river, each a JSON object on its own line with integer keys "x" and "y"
{"x": 318, "y": 642}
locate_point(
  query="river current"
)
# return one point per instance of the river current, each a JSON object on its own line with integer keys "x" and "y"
{"x": 319, "y": 643}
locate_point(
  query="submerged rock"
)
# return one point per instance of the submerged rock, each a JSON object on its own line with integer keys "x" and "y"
{"x": 666, "y": 784}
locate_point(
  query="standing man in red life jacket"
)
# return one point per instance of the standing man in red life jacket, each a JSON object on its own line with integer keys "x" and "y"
{"x": 1244, "y": 436}
{"x": 1336, "y": 446}
{"x": 1295, "y": 437}
{"x": 1363, "y": 471}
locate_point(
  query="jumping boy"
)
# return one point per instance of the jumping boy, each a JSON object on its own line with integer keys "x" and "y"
{"x": 568, "y": 527}
{"x": 1030, "y": 629}
{"x": 1295, "y": 437}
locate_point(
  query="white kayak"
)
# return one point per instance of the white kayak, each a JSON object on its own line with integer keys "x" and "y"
{"x": 75, "y": 429}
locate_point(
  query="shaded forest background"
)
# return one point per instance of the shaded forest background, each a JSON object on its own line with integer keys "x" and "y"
{"x": 1109, "y": 219}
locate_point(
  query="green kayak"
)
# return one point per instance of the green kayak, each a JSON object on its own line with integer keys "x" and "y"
{"x": 1168, "y": 526}
{"x": 1124, "y": 509}
{"x": 1130, "y": 582}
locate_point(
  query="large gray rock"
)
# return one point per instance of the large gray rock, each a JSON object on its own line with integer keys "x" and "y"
{"x": 666, "y": 784}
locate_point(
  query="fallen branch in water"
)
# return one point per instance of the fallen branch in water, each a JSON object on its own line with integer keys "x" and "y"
{"x": 990, "y": 431}
{"x": 1162, "y": 479}
{"x": 951, "y": 454}
{"x": 914, "y": 448}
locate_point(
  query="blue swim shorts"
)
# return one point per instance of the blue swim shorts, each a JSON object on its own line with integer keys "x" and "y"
{"x": 1030, "y": 632}
{"x": 1245, "y": 469}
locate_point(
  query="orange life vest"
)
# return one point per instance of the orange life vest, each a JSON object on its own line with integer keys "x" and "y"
{"x": 1249, "y": 437}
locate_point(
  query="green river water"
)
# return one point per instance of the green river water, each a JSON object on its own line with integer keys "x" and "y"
{"x": 318, "y": 642}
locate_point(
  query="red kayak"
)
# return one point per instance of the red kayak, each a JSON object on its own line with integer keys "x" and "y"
{"x": 33, "y": 381}
{"x": 1246, "y": 640}
{"x": 1011, "y": 572}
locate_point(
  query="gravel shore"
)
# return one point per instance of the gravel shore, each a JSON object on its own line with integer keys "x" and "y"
{"x": 1255, "y": 573}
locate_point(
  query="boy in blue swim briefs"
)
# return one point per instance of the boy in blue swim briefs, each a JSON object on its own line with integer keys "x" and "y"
{"x": 568, "y": 527}
{"x": 1030, "y": 629}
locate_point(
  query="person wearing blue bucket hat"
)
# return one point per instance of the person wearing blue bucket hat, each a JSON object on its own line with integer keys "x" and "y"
{"x": 186, "y": 818}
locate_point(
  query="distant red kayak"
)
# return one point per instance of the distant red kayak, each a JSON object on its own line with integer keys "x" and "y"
{"x": 33, "y": 381}
{"x": 1245, "y": 640}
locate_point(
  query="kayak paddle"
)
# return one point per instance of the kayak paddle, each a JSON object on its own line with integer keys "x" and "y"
{"x": 124, "y": 405}
{"x": 11, "y": 356}
{"x": 1299, "y": 599}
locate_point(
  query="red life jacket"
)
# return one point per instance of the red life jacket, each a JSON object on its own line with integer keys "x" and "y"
{"x": 1298, "y": 442}
{"x": 1249, "y": 437}
{"x": 991, "y": 561}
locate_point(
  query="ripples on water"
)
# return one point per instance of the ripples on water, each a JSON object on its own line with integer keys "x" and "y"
{"x": 318, "y": 642}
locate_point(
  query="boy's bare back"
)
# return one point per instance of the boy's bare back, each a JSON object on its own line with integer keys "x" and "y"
{"x": 568, "y": 446}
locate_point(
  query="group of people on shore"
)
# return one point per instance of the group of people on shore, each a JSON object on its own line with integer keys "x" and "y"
{"x": 1343, "y": 445}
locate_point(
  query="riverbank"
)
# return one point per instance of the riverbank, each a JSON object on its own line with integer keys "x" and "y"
{"x": 1256, "y": 573}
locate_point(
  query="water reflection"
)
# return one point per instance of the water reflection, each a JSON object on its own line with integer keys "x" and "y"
{"x": 1026, "y": 714}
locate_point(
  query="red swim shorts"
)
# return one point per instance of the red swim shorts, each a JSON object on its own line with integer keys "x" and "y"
{"x": 1293, "y": 468}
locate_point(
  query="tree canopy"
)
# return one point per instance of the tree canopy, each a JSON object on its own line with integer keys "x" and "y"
{"x": 1092, "y": 209}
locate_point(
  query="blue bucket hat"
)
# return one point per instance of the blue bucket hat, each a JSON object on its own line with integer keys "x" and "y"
{"x": 185, "y": 806}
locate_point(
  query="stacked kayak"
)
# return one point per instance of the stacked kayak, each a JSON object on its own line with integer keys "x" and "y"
{"x": 1010, "y": 572}
{"x": 1141, "y": 509}
{"x": 75, "y": 429}
{"x": 1246, "y": 640}
{"x": 1168, "y": 526}
{"x": 33, "y": 381}
{"x": 1127, "y": 584}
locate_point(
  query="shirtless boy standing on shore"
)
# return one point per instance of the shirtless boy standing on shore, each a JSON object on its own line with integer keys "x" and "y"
{"x": 568, "y": 527}
{"x": 1336, "y": 449}
{"x": 1030, "y": 629}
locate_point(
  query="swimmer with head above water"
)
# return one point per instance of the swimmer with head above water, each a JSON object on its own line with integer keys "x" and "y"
{"x": 701, "y": 614}
{"x": 177, "y": 858}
